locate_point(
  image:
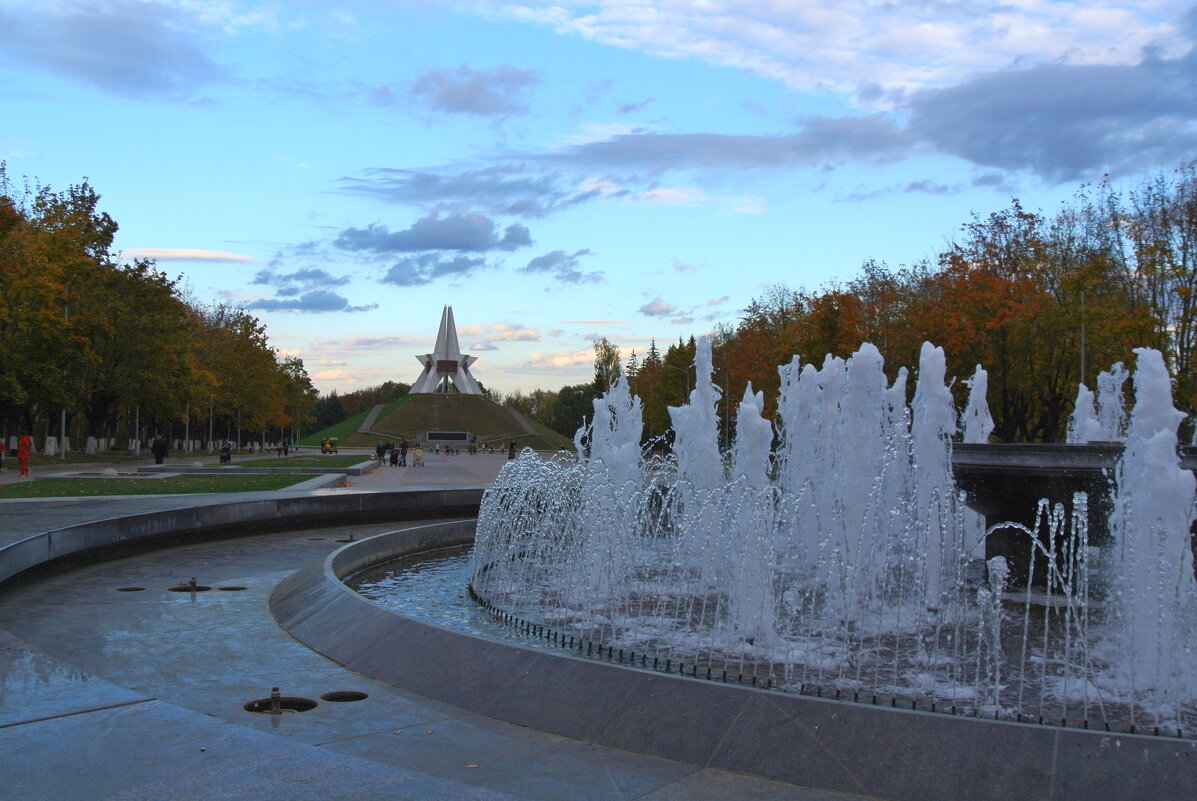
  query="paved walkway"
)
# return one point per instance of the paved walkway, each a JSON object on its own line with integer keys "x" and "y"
{"x": 138, "y": 694}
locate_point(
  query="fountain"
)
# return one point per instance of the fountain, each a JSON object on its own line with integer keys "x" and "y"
{"x": 843, "y": 562}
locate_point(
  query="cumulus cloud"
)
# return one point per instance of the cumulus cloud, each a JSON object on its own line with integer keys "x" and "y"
{"x": 657, "y": 308}
{"x": 498, "y": 92}
{"x": 718, "y": 301}
{"x": 128, "y": 48}
{"x": 427, "y": 267}
{"x": 184, "y": 254}
{"x": 564, "y": 267}
{"x": 316, "y": 301}
{"x": 462, "y": 232}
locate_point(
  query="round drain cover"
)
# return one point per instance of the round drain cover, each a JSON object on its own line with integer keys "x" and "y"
{"x": 342, "y": 696}
{"x": 129, "y": 589}
{"x": 189, "y": 588}
{"x": 231, "y": 588}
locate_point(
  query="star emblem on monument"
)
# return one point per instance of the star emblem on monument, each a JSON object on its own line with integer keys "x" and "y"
{"x": 446, "y": 363}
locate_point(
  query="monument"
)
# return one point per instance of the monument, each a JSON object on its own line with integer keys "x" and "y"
{"x": 446, "y": 363}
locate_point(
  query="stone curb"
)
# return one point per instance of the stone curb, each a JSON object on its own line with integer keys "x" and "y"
{"x": 235, "y": 518}
{"x": 215, "y": 470}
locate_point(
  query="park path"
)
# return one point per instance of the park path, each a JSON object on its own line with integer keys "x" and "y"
{"x": 371, "y": 418}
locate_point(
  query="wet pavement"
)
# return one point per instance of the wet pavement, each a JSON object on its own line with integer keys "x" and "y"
{"x": 109, "y": 692}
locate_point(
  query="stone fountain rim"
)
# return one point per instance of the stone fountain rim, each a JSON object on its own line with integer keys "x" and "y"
{"x": 833, "y": 745}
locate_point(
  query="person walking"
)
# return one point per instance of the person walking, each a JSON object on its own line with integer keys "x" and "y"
{"x": 2, "y": 449}
{"x": 403, "y": 452}
{"x": 24, "y": 445}
{"x": 159, "y": 448}
{"x": 511, "y": 449}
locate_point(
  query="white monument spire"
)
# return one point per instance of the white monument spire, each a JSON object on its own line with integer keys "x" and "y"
{"x": 446, "y": 363}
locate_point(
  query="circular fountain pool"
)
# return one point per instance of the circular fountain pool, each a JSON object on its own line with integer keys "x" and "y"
{"x": 892, "y": 753}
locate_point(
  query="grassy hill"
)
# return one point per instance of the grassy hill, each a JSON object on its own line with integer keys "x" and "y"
{"x": 412, "y": 415}
{"x": 347, "y": 429}
{"x": 342, "y": 431}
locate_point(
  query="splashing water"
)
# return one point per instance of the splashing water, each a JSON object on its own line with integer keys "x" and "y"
{"x": 840, "y": 556}
{"x": 1101, "y": 418}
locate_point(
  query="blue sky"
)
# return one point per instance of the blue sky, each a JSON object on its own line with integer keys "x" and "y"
{"x": 561, "y": 171}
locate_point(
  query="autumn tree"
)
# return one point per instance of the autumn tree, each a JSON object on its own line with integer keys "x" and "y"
{"x": 607, "y": 366}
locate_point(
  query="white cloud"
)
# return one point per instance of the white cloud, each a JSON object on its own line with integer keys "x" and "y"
{"x": 601, "y": 186}
{"x": 561, "y": 359}
{"x": 185, "y": 254}
{"x": 500, "y": 332}
{"x": 670, "y": 196}
{"x": 683, "y": 196}
{"x": 813, "y": 46}
{"x": 598, "y": 132}
{"x": 657, "y": 308}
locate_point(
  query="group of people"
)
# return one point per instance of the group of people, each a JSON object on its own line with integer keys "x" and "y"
{"x": 397, "y": 453}
{"x": 24, "y": 448}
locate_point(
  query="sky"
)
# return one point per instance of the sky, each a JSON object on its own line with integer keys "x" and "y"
{"x": 560, "y": 171}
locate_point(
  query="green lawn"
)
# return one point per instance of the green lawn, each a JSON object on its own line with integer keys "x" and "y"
{"x": 79, "y": 457}
{"x": 307, "y": 461}
{"x": 79, "y": 487}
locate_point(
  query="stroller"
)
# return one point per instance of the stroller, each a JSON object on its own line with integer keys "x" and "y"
{"x": 226, "y": 452}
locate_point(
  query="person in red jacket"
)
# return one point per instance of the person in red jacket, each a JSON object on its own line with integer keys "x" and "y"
{"x": 2, "y": 450}
{"x": 24, "y": 445}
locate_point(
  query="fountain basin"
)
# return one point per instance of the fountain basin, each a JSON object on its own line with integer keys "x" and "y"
{"x": 834, "y": 745}
{"x": 1005, "y": 482}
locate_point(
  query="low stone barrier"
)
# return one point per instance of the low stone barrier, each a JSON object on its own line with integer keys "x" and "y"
{"x": 248, "y": 469}
{"x": 234, "y": 518}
